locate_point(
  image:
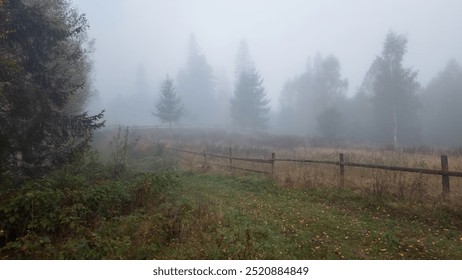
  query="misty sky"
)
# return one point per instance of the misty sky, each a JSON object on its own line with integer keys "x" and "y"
{"x": 281, "y": 34}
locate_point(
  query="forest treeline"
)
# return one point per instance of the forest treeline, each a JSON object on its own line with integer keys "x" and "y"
{"x": 389, "y": 108}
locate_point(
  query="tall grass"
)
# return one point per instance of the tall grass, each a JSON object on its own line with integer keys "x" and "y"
{"x": 401, "y": 186}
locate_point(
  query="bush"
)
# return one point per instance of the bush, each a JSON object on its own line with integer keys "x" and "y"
{"x": 63, "y": 211}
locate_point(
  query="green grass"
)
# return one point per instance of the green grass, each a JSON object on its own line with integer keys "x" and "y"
{"x": 251, "y": 218}
{"x": 210, "y": 216}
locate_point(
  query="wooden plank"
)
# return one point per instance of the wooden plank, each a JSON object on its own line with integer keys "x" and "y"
{"x": 405, "y": 169}
{"x": 309, "y": 161}
{"x": 342, "y": 171}
{"x": 230, "y": 156}
{"x": 251, "y": 170}
{"x": 383, "y": 167}
{"x": 273, "y": 157}
{"x": 445, "y": 177}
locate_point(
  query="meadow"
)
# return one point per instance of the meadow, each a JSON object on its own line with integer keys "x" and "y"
{"x": 138, "y": 199}
{"x": 412, "y": 188}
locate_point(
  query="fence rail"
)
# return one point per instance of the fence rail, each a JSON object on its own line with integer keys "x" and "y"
{"x": 223, "y": 156}
{"x": 378, "y": 166}
{"x": 443, "y": 172}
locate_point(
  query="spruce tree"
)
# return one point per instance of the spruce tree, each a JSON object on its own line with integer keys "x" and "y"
{"x": 43, "y": 67}
{"x": 168, "y": 105}
{"x": 249, "y": 106}
{"x": 195, "y": 84}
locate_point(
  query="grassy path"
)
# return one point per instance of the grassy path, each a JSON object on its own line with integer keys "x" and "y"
{"x": 249, "y": 218}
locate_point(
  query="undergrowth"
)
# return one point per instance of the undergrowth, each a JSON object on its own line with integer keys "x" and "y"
{"x": 82, "y": 211}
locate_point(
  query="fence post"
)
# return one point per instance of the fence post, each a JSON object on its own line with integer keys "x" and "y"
{"x": 445, "y": 177}
{"x": 230, "y": 157}
{"x": 205, "y": 157}
{"x": 342, "y": 170}
{"x": 273, "y": 157}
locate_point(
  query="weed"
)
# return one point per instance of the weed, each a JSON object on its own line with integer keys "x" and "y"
{"x": 120, "y": 146}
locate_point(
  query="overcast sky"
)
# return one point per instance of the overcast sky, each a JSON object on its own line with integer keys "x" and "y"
{"x": 281, "y": 34}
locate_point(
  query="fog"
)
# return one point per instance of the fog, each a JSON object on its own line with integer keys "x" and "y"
{"x": 139, "y": 42}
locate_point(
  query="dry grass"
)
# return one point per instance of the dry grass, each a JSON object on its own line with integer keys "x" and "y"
{"x": 402, "y": 186}
{"x": 406, "y": 187}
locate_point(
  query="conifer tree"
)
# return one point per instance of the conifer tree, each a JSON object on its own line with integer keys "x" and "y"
{"x": 168, "y": 105}
{"x": 195, "y": 84}
{"x": 43, "y": 69}
{"x": 249, "y": 106}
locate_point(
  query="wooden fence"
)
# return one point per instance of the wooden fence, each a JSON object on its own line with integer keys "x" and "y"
{"x": 443, "y": 172}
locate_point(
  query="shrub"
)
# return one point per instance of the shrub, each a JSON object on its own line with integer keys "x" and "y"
{"x": 47, "y": 213}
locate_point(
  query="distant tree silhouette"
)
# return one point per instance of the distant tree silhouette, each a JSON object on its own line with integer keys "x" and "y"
{"x": 330, "y": 123}
{"x": 441, "y": 107}
{"x": 168, "y": 105}
{"x": 243, "y": 60}
{"x": 394, "y": 94}
{"x": 305, "y": 97}
{"x": 249, "y": 106}
{"x": 196, "y": 86}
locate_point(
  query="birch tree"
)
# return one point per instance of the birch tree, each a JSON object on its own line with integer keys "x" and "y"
{"x": 394, "y": 94}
